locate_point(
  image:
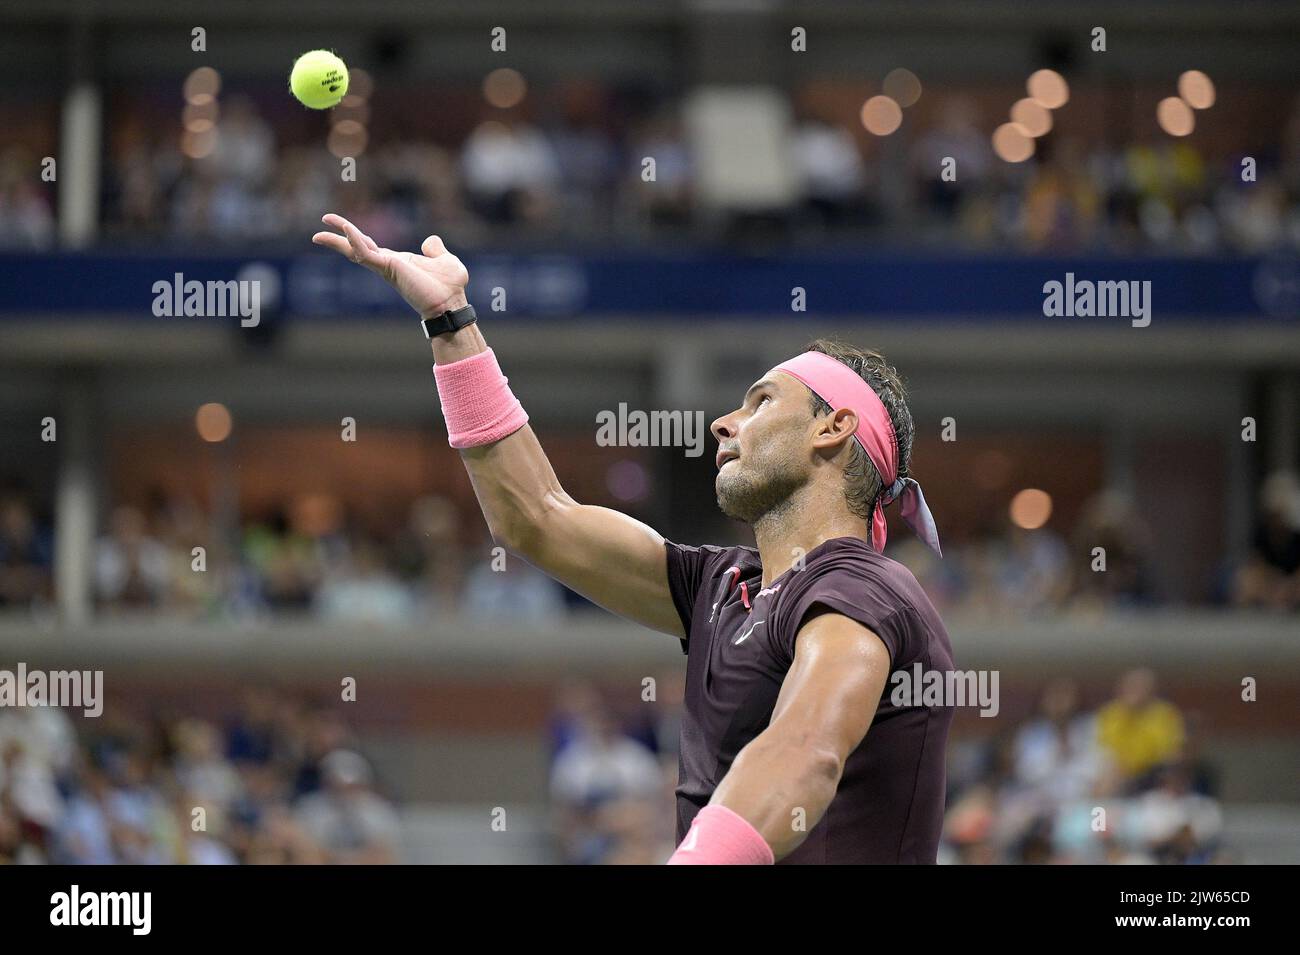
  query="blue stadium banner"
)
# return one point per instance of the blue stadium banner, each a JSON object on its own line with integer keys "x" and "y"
{"x": 697, "y": 284}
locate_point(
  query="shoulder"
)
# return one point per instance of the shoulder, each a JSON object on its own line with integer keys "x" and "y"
{"x": 853, "y": 563}
{"x": 712, "y": 560}
{"x": 847, "y": 576}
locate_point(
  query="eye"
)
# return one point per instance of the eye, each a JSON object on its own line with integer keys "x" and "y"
{"x": 764, "y": 398}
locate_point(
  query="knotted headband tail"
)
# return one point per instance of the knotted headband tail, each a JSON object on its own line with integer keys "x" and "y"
{"x": 914, "y": 512}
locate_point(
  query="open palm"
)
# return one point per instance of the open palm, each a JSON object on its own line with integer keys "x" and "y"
{"x": 431, "y": 283}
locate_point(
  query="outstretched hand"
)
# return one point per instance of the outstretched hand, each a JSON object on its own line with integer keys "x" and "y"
{"x": 431, "y": 283}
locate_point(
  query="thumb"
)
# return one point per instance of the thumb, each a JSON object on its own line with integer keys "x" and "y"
{"x": 433, "y": 247}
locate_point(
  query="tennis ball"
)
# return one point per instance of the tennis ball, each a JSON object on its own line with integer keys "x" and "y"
{"x": 319, "y": 79}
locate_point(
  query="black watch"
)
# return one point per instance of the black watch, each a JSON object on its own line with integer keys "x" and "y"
{"x": 449, "y": 321}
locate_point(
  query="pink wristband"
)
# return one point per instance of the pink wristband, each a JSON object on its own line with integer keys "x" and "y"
{"x": 719, "y": 836}
{"x": 476, "y": 401}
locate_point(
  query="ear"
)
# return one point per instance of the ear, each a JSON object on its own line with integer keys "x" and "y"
{"x": 835, "y": 431}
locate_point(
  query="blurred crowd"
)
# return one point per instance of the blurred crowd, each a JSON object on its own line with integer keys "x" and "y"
{"x": 279, "y": 782}
{"x": 574, "y": 170}
{"x": 1010, "y": 572}
{"x": 312, "y": 558}
{"x": 1155, "y": 193}
{"x": 1122, "y": 783}
{"x": 315, "y": 559}
{"x": 613, "y": 774}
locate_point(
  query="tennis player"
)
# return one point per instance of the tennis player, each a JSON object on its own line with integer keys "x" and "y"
{"x": 795, "y": 745}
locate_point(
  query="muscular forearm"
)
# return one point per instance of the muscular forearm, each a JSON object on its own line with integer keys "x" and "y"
{"x": 781, "y": 788}
{"x": 512, "y": 478}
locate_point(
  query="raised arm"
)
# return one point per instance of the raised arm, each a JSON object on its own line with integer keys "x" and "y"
{"x": 608, "y": 557}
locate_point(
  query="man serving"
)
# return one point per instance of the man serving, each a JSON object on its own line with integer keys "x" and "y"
{"x": 792, "y": 749}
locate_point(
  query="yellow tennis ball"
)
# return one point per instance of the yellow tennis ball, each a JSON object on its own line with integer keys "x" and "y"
{"x": 319, "y": 79}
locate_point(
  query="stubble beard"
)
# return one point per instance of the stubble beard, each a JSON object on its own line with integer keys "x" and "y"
{"x": 754, "y": 494}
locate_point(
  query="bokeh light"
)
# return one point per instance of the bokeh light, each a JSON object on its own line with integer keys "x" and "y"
{"x": 213, "y": 422}
{"x": 200, "y": 117}
{"x": 504, "y": 88}
{"x": 1048, "y": 88}
{"x": 1012, "y": 143}
{"x": 881, "y": 115}
{"x": 198, "y": 144}
{"x": 202, "y": 85}
{"x": 1034, "y": 117}
{"x": 1196, "y": 89}
{"x": 1175, "y": 117}
{"x": 351, "y": 107}
{"x": 628, "y": 481}
{"x": 902, "y": 86}
{"x": 1031, "y": 508}
{"x": 347, "y": 138}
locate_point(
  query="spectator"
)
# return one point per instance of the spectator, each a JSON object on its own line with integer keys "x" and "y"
{"x": 1111, "y": 521}
{"x": 1033, "y": 574}
{"x": 26, "y": 219}
{"x": 510, "y": 171}
{"x": 131, "y": 568}
{"x": 365, "y": 592}
{"x": 593, "y": 782}
{"x": 1057, "y": 752}
{"x": 1140, "y": 732}
{"x": 587, "y": 158}
{"x": 827, "y": 159}
{"x": 431, "y": 556}
{"x": 506, "y": 586}
{"x": 26, "y": 554}
{"x": 200, "y": 766}
{"x": 667, "y": 200}
{"x": 1270, "y": 577}
{"x": 957, "y": 137}
{"x": 1178, "y": 826}
{"x": 347, "y": 819}
{"x": 245, "y": 146}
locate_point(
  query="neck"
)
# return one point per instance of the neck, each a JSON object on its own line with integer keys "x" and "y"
{"x": 810, "y": 516}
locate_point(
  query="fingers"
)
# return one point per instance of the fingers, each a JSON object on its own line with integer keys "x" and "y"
{"x": 361, "y": 246}
{"x": 358, "y": 246}
{"x": 369, "y": 242}
{"x": 334, "y": 241}
{"x": 433, "y": 247}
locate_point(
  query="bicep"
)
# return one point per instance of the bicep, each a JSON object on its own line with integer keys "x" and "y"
{"x": 830, "y": 694}
{"x": 611, "y": 559}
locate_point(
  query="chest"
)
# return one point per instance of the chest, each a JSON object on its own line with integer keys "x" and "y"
{"x": 735, "y": 666}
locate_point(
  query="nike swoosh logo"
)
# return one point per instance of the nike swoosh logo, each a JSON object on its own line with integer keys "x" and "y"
{"x": 745, "y": 636}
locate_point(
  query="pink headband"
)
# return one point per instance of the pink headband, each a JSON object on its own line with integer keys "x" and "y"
{"x": 841, "y": 387}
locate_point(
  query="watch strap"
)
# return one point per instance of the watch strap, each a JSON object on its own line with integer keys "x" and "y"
{"x": 449, "y": 321}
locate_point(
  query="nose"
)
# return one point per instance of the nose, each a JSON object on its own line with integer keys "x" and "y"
{"x": 724, "y": 427}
